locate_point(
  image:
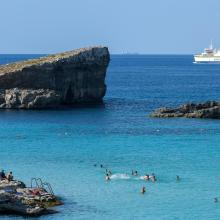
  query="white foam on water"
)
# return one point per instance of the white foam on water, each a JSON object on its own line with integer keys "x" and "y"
{"x": 141, "y": 178}
{"x": 122, "y": 176}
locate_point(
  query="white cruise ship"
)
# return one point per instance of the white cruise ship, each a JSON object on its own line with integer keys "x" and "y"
{"x": 209, "y": 55}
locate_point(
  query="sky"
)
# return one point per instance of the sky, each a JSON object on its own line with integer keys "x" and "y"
{"x": 133, "y": 26}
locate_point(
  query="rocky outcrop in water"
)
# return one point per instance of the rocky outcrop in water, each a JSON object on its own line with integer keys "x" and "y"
{"x": 209, "y": 109}
{"x": 62, "y": 79}
{"x": 16, "y": 198}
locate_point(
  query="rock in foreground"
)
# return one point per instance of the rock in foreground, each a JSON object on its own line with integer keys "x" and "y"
{"x": 209, "y": 109}
{"x": 15, "y": 197}
{"x": 62, "y": 79}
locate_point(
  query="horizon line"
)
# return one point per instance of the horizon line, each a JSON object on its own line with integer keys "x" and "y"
{"x": 124, "y": 54}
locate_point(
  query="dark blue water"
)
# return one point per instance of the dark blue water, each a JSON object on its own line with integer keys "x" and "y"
{"x": 62, "y": 146}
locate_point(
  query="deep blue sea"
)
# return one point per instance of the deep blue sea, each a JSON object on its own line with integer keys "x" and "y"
{"x": 62, "y": 146}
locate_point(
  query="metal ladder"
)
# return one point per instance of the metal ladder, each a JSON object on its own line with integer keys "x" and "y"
{"x": 48, "y": 187}
{"x": 38, "y": 183}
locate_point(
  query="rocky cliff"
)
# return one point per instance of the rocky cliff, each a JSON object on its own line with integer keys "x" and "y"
{"x": 209, "y": 109}
{"x": 61, "y": 79}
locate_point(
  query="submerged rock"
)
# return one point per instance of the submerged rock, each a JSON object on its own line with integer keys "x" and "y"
{"x": 209, "y": 109}
{"x": 62, "y": 79}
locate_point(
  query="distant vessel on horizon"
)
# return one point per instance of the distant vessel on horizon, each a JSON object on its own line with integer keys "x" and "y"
{"x": 210, "y": 55}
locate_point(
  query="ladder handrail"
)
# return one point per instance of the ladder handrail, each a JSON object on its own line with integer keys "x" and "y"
{"x": 41, "y": 185}
{"x": 49, "y": 187}
{"x": 41, "y": 182}
{"x": 34, "y": 179}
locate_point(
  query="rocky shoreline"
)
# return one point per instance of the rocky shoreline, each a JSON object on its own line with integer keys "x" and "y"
{"x": 64, "y": 79}
{"x": 16, "y": 198}
{"x": 209, "y": 109}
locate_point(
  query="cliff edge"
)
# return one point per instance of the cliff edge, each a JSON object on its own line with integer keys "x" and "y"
{"x": 67, "y": 78}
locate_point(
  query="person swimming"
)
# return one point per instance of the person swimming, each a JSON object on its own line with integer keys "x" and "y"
{"x": 108, "y": 172}
{"x": 215, "y": 199}
{"x": 153, "y": 177}
{"x": 146, "y": 177}
{"x": 136, "y": 173}
{"x": 107, "y": 177}
{"x": 143, "y": 190}
{"x": 177, "y": 178}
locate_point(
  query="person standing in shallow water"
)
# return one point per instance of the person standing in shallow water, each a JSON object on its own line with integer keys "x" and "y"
{"x": 143, "y": 190}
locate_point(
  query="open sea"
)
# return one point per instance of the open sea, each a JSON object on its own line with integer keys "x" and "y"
{"x": 62, "y": 146}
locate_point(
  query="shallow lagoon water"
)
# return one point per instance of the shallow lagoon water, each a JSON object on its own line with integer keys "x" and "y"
{"x": 61, "y": 146}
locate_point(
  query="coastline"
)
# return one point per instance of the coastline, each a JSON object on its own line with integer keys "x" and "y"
{"x": 62, "y": 146}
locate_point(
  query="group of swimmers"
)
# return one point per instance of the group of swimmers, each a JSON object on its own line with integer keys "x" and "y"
{"x": 9, "y": 177}
{"x": 151, "y": 177}
{"x": 146, "y": 177}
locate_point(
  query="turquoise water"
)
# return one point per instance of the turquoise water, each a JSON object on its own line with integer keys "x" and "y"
{"x": 62, "y": 146}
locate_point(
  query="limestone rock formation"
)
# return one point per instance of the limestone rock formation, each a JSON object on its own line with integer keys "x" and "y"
{"x": 62, "y": 79}
{"x": 15, "y": 197}
{"x": 209, "y": 109}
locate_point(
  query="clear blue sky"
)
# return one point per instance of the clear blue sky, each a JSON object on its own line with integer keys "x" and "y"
{"x": 143, "y": 26}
